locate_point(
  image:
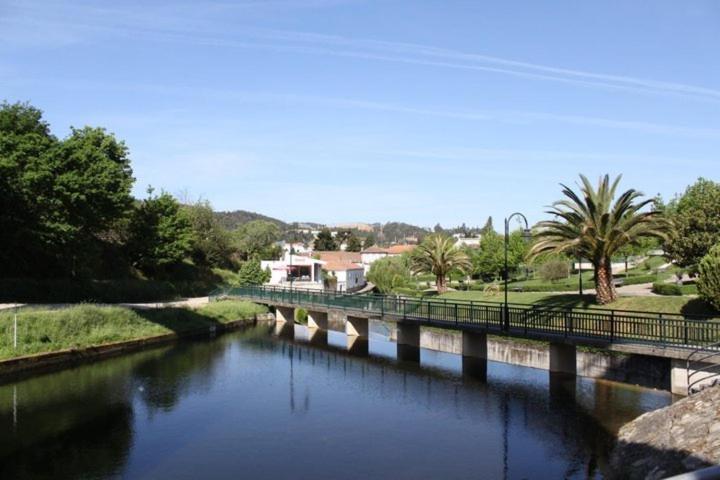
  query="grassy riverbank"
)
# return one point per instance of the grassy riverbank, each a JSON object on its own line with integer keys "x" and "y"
{"x": 48, "y": 330}
{"x": 662, "y": 304}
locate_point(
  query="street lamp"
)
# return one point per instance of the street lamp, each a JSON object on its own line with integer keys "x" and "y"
{"x": 526, "y": 235}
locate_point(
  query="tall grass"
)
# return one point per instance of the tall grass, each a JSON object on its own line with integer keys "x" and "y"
{"x": 47, "y": 330}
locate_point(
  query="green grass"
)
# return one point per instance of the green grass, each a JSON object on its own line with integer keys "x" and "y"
{"x": 641, "y": 304}
{"x": 47, "y": 330}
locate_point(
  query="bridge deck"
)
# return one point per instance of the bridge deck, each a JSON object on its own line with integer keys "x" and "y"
{"x": 645, "y": 333}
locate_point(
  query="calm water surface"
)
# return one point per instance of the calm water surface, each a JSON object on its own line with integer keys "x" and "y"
{"x": 251, "y": 405}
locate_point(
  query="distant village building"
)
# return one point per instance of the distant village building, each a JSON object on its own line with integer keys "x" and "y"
{"x": 464, "y": 241}
{"x": 340, "y": 271}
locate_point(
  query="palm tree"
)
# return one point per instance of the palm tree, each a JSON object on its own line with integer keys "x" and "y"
{"x": 437, "y": 254}
{"x": 595, "y": 225}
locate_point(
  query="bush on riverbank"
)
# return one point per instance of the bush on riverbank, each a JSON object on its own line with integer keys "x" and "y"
{"x": 47, "y": 330}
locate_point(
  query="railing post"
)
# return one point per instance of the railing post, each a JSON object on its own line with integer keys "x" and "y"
{"x": 686, "y": 331}
{"x": 662, "y": 329}
{"x": 404, "y": 310}
{"x": 456, "y": 314}
{"x": 612, "y": 325}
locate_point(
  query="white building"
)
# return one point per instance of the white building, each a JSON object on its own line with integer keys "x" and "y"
{"x": 302, "y": 271}
{"x": 461, "y": 241}
{"x": 347, "y": 276}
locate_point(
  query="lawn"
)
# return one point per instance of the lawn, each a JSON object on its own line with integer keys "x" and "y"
{"x": 47, "y": 330}
{"x": 665, "y": 304}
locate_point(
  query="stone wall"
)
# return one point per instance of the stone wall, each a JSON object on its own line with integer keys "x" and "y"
{"x": 682, "y": 437}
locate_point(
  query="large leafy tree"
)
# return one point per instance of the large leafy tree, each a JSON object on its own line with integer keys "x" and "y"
{"x": 488, "y": 259}
{"x": 57, "y": 198}
{"x": 437, "y": 254}
{"x": 390, "y": 273}
{"x": 696, "y": 223}
{"x": 596, "y": 225}
{"x": 257, "y": 239}
{"x": 160, "y": 233}
{"x": 211, "y": 243}
{"x": 251, "y": 273}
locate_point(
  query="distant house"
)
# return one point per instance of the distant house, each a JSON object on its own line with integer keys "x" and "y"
{"x": 343, "y": 271}
{"x": 374, "y": 253}
{"x": 299, "y": 270}
{"x": 461, "y": 240}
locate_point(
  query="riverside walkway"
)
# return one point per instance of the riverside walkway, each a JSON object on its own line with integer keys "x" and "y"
{"x": 639, "y": 333}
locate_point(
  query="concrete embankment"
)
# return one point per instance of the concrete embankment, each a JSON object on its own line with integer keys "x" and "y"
{"x": 682, "y": 437}
{"x": 653, "y": 372}
{"x": 20, "y": 366}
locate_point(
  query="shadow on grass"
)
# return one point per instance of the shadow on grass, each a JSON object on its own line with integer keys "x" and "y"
{"x": 697, "y": 307}
{"x": 180, "y": 320}
{"x": 567, "y": 301}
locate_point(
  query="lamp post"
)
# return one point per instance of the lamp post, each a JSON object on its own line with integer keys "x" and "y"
{"x": 526, "y": 235}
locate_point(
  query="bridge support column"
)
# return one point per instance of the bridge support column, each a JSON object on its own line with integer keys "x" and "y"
{"x": 474, "y": 354}
{"x": 408, "y": 342}
{"x": 317, "y": 336}
{"x": 285, "y": 314}
{"x": 317, "y": 320}
{"x": 357, "y": 326}
{"x": 285, "y": 330}
{"x": 358, "y": 346}
{"x": 679, "y": 375}
{"x": 562, "y": 358}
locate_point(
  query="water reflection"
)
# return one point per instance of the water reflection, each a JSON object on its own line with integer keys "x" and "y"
{"x": 310, "y": 404}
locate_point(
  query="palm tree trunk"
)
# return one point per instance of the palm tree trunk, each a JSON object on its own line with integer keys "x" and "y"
{"x": 605, "y": 290}
{"x": 440, "y": 283}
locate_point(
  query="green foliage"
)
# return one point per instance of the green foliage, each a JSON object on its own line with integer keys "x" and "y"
{"x": 257, "y": 239}
{"x": 696, "y": 220}
{"x": 88, "y": 325}
{"x": 160, "y": 233}
{"x": 596, "y": 225}
{"x": 554, "y": 270}
{"x": 661, "y": 288}
{"x": 211, "y": 243}
{"x": 369, "y": 241}
{"x": 301, "y": 316}
{"x": 488, "y": 227}
{"x": 251, "y": 273}
{"x": 437, "y": 254}
{"x": 488, "y": 259}
{"x": 325, "y": 241}
{"x": 390, "y": 273}
{"x": 353, "y": 244}
{"x": 57, "y": 198}
{"x": 708, "y": 283}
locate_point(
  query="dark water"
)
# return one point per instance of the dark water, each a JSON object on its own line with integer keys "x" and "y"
{"x": 248, "y": 405}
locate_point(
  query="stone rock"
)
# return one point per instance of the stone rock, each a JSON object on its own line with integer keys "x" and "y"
{"x": 682, "y": 437}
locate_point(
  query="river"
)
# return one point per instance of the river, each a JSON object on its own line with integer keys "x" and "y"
{"x": 250, "y": 404}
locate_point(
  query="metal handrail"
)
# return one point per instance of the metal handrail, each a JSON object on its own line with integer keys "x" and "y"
{"x": 710, "y": 351}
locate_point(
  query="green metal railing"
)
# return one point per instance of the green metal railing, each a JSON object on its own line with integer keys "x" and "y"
{"x": 667, "y": 330}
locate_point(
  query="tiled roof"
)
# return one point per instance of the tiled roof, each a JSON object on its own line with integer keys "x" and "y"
{"x": 374, "y": 249}
{"x": 339, "y": 266}
{"x": 396, "y": 249}
{"x": 338, "y": 256}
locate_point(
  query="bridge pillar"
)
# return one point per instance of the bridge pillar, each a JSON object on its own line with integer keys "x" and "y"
{"x": 358, "y": 346}
{"x": 408, "y": 342}
{"x": 679, "y": 375}
{"x": 317, "y": 336}
{"x": 285, "y": 314}
{"x": 562, "y": 358}
{"x": 317, "y": 320}
{"x": 357, "y": 326}
{"x": 474, "y": 354}
{"x": 285, "y": 330}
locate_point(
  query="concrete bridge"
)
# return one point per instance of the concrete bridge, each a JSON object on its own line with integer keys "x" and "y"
{"x": 637, "y": 333}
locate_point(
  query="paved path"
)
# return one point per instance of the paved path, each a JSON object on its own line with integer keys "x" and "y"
{"x": 186, "y": 302}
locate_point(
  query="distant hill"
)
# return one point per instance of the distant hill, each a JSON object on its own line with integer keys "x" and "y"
{"x": 397, "y": 232}
{"x": 232, "y": 220}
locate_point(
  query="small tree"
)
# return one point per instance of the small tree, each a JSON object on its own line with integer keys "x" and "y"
{"x": 708, "y": 282}
{"x": 369, "y": 241}
{"x": 251, "y": 273}
{"x": 325, "y": 241}
{"x": 390, "y": 273}
{"x": 353, "y": 244}
{"x": 554, "y": 270}
{"x": 437, "y": 254}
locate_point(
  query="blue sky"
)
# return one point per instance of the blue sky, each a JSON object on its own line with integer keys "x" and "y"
{"x": 360, "y": 110}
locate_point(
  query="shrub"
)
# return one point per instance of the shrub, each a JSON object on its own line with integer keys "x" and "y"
{"x": 708, "y": 283}
{"x": 301, "y": 316}
{"x": 666, "y": 289}
{"x": 554, "y": 270}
